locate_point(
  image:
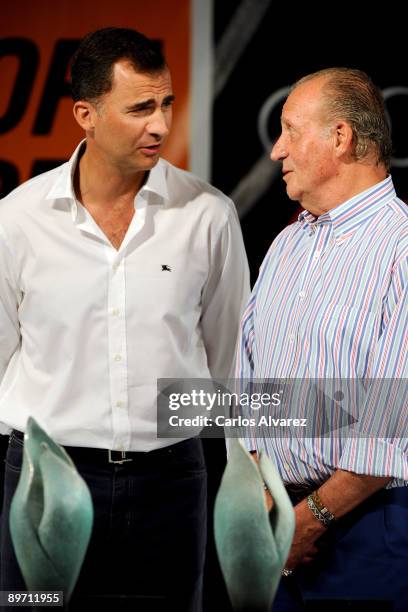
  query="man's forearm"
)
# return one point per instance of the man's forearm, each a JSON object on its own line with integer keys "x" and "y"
{"x": 343, "y": 491}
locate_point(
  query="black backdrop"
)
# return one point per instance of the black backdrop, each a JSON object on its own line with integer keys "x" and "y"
{"x": 289, "y": 42}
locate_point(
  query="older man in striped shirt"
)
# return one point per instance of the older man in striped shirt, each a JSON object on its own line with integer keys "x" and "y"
{"x": 331, "y": 303}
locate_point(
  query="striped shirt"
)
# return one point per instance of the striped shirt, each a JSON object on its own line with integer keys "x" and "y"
{"x": 331, "y": 302}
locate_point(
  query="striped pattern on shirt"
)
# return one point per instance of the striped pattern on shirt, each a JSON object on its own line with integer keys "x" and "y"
{"x": 331, "y": 302}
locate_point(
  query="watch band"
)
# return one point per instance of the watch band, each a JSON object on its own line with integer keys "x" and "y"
{"x": 319, "y": 510}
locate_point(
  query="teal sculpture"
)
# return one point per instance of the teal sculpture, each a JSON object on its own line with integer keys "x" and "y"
{"x": 51, "y": 515}
{"x": 252, "y": 543}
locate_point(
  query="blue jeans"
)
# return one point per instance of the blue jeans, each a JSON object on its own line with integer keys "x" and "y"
{"x": 147, "y": 546}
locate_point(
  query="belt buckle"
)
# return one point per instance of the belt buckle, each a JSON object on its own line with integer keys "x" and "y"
{"x": 119, "y": 461}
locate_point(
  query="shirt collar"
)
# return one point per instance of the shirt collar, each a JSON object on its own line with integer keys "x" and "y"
{"x": 347, "y": 217}
{"x": 156, "y": 181}
{"x": 63, "y": 187}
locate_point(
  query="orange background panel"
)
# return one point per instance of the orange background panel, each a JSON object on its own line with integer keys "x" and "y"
{"x": 44, "y": 22}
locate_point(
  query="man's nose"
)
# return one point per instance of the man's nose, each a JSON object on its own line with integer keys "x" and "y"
{"x": 159, "y": 124}
{"x": 278, "y": 150}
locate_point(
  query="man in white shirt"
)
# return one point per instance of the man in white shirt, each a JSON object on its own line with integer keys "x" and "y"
{"x": 117, "y": 269}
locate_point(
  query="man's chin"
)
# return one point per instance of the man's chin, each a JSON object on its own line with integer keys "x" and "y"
{"x": 292, "y": 194}
{"x": 149, "y": 162}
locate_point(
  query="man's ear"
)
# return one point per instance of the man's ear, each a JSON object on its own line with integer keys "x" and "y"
{"x": 343, "y": 138}
{"x": 84, "y": 113}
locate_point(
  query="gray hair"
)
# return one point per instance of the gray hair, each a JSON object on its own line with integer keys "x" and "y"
{"x": 349, "y": 94}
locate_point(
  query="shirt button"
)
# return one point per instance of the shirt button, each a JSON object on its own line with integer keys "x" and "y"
{"x": 316, "y": 255}
{"x": 291, "y": 337}
{"x": 302, "y": 294}
{"x": 115, "y": 312}
{"x": 115, "y": 266}
{"x": 118, "y": 357}
{"x": 119, "y": 404}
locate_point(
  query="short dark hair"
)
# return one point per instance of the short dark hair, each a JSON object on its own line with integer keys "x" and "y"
{"x": 93, "y": 61}
{"x": 351, "y": 95}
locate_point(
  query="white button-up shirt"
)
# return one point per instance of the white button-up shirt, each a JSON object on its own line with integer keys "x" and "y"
{"x": 86, "y": 330}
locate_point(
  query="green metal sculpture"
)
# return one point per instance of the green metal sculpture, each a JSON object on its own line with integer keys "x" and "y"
{"x": 51, "y": 515}
{"x": 252, "y": 543}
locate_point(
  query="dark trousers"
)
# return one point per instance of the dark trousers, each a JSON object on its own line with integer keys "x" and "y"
{"x": 362, "y": 564}
{"x": 147, "y": 546}
{"x": 3, "y": 451}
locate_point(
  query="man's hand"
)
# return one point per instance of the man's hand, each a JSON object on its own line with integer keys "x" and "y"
{"x": 268, "y": 496}
{"x": 342, "y": 492}
{"x": 307, "y": 530}
{"x": 268, "y": 500}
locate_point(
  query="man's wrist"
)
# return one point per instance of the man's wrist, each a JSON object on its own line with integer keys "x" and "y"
{"x": 313, "y": 527}
{"x": 319, "y": 510}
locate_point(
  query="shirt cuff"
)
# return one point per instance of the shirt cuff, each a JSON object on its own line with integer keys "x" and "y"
{"x": 375, "y": 457}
